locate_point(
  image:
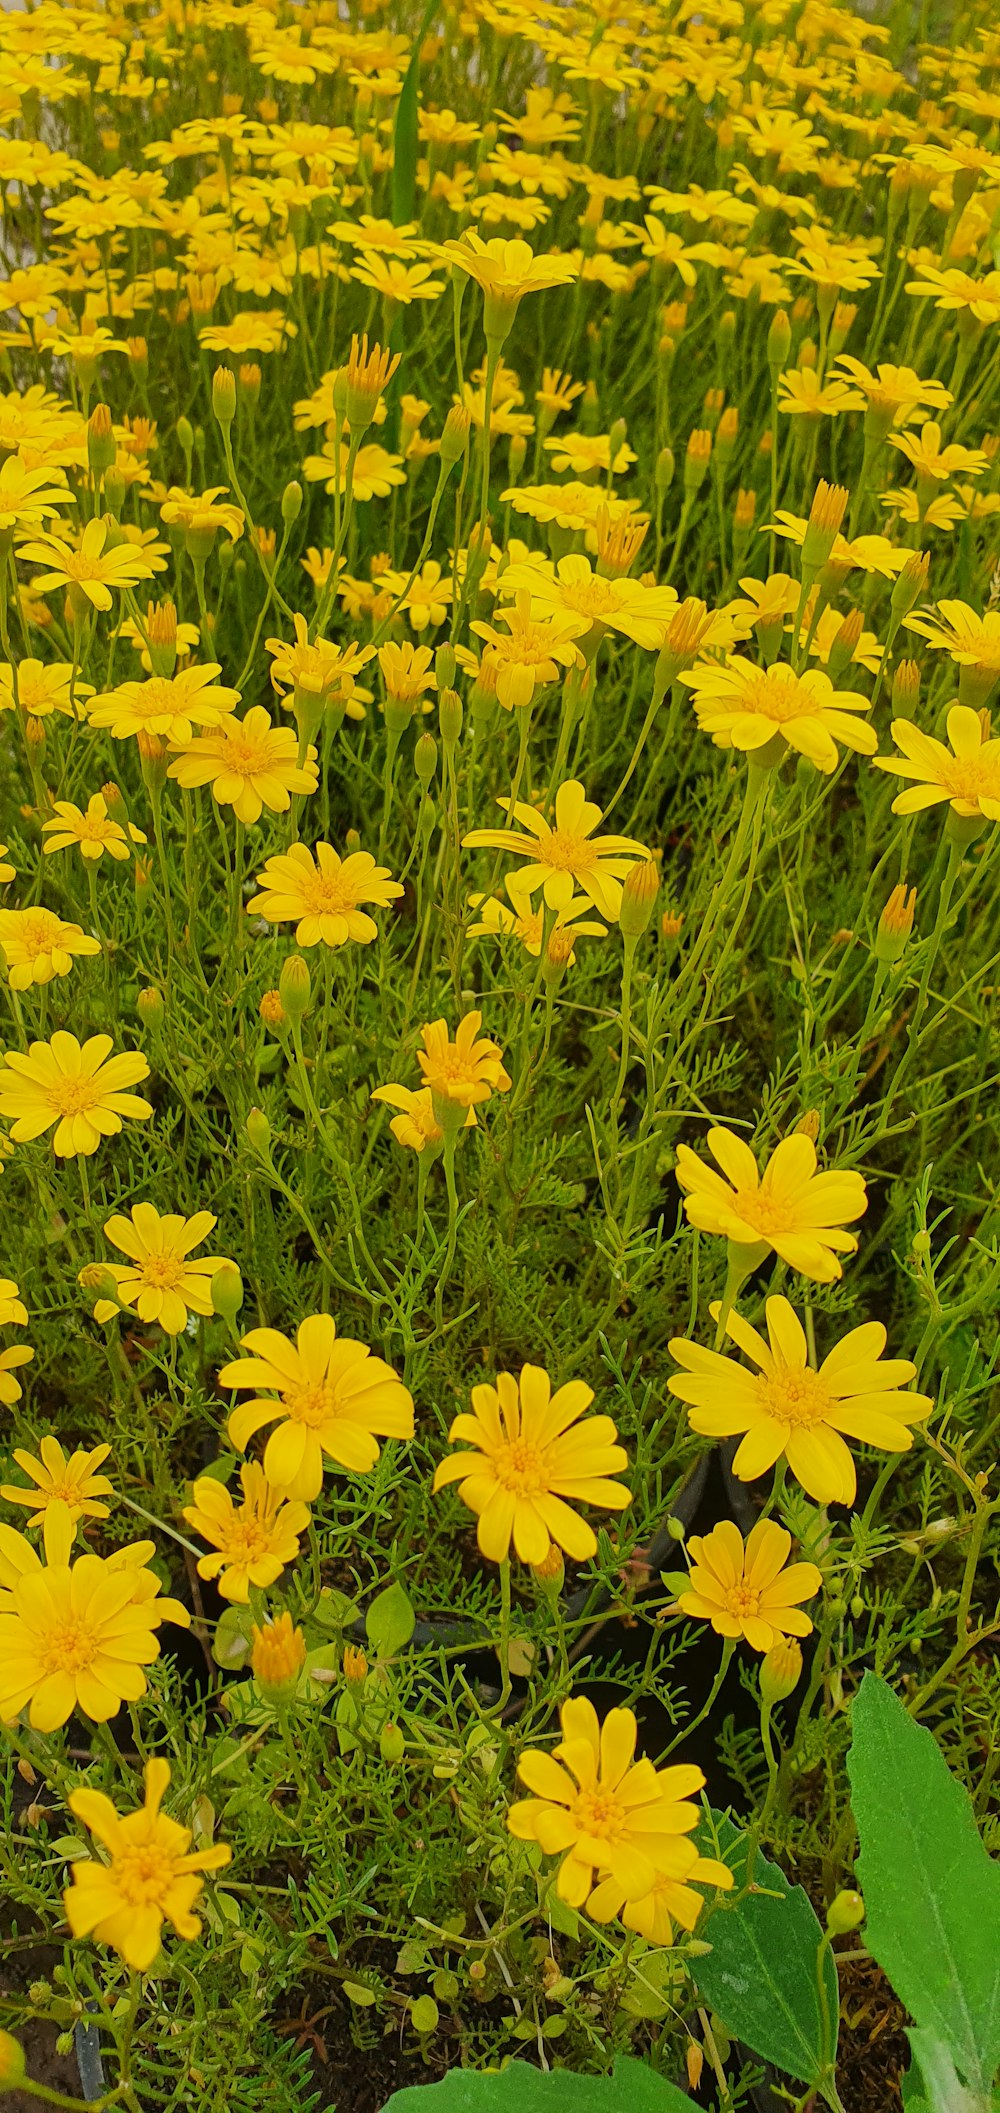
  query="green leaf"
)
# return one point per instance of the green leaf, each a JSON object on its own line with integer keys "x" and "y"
{"x": 424, "y": 2014}
{"x": 944, "y": 2093}
{"x": 931, "y": 1892}
{"x": 760, "y": 1974}
{"x": 390, "y": 1621}
{"x": 520, "y": 2088}
{"x": 405, "y": 138}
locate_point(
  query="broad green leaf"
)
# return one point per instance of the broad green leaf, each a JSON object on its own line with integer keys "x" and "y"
{"x": 390, "y": 1621}
{"x": 931, "y": 1891}
{"x": 521, "y": 2088}
{"x": 944, "y": 2093}
{"x": 760, "y": 1974}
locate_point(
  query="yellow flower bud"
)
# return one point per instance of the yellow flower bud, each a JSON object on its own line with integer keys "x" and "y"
{"x": 224, "y": 395}
{"x": 895, "y": 924}
{"x": 295, "y": 986}
{"x": 780, "y": 1670}
{"x": 845, "y": 1913}
{"x": 226, "y": 1292}
{"x": 355, "y": 1666}
{"x": 259, "y": 1132}
{"x": 13, "y": 2068}
{"x": 277, "y": 1657}
{"x": 642, "y": 885}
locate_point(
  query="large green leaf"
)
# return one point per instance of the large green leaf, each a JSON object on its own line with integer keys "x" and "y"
{"x": 760, "y": 1974}
{"x": 931, "y": 1891}
{"x": 520, "y": 2088}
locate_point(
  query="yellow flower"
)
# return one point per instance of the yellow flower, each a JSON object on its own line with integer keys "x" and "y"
{"x": 7, "y": 872}
{"x": 323, "y": 892}
{"x": 43, "y": 686}
{"x": 28, "y": 497}
{"x": 375, "y": 470}
{"x": 160, "y": 1283}
{"x": 791, "y": 1208}
{"x": 745, "y": 707}
{"x": 505, "y": 272}
{"x": 249, "y": 764}
{"x": 317, "y": 668}
{"x": 278, "y": 1654}
{"x": 786, "y": 1409}
{"x": 73, "y": 1481}
{"x": 92, "y": 569}
{"x": 94, "y": 832}
{"x": 804, "y": 395}
{"x": 81, "y": 1088}
{"x": 931, "y": 460}
{"x": 334, "y": 1398}
{"x": 10, "y": 1389}
{"x": 150, "y": 1876}
{"x": 530, "y": 651}
{"x": 973, "y": 642}
{"x": 894, "y": 395}
{"x": 462, "y": 1073}
{"x": 75, "y": 1635}
{"x": 605, "y": 1813}
{"x": 528, "y": 925}
{"x": 671, "y": 1900}
{"x": 202, "y": 514}
{"x": 170, "y": 706}
{"x": 37, "y": 945}
{"x": 254, "y": 1541}
{"x": 416, "y": 1126}
{"x": 567, "y": 856}
{"x": 407, "y": 671}
{"x": 967, "y": 775}
{"x": 749, "y": 1592}
{"x": 532, "y": 1454}
{"x": 574, "y": 588}
{"x": 396, "y": 280}
{"x": 12, "y": 1306}
{"x": 953, "y": 290}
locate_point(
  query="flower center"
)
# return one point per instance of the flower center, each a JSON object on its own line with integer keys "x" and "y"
{"x": 39, "y": 934}
{"x": 70, "y": 1647}
{"x": 972, "y": 778}
{"x": 778, "y": 696}
{"x": 162, "y": 1271}
{"x": 598, "y": 1812}
{"x": 742, "y": 1600}
{"x": 73, "y": 1096}
{"x": 593, "y": 597}
{"x": 766, "y": 1213}
{"x": 567, "y": 853}
{"x": 313, "y": 1404}
{"x": 795, "y": 1396}
{"x": 245, "y": 757}
{"x": 328, "y": 891}
{"x": 143, "y": 1873}
{"x": 521, "y": 1467}
{"x": 249, "y": 1537}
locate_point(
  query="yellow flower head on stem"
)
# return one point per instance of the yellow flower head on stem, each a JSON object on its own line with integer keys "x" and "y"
{"x": 334, "y": 1400}
{"x": 791, "y": 1208}
{"x": 253, "y": 1541}
{"x": 751, "y": 1592}
{"x": 149, "y": 1876}
{"x": 534, "y": 1462}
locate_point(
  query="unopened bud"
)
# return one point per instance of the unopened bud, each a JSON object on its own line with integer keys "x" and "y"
{"x": 249, "y": 380}
{"x": 391, "y": 1744}
{"x": 696, "y": 460}
{"x": 664, "y": 470}
{"x": 779, "y": 343}
{"x": 291, "y": 502}
{"x": 224, "y": 395}
{"x": 295, "y": 986}
{"x": 780, "y": 1670}
{"x": 149, "y": 1005}
{"x": 277, "y": 1657}
{"x": 846, "y": 1912}
{"x": 823, "y": 526}
{"x": 272, "y": 1011}
{"x": 550, "y": 1573}
{"x": 906, "y": 689}
{"x": 444, "y": 666}
{"x": 642, "y": 885}
{"x": 845, "y": 644}
{"x": 13, "y": 2068}
{"x": 100, "y": 440}
{"x": 895, "y": 924}
{"x": 226, "y": 1292}
{"x": 354, "y": 1666}
{"x": 911, "y": 584}
{"x": 449, "y": 716}
{"x": 455, "y": 435}
{"x": 425, "y": 756}
{"x": 259, "y": 1132}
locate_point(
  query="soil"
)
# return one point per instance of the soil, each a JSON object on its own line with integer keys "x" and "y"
{"x": 874, "y": 2050}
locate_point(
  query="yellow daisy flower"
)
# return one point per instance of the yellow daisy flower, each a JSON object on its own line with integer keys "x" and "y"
{"x": 81, "y": 1088}
{"x": 160, "y": 1282}
{"x": 334, "y": 1399}
{"x": 249, "y": 765}
{"x": 791, "y": 1208}
{"x": 967, "y": 775}
{"x": 38, "y": 945}
{"x": 746, "y": 707}
{"x": 532, "y": 1453}
{"x": 72, "y": 1481}
{"x": 786, "y": 1409}
{"x": 148, "y": 1876}
{"x": 750, "y": 1592}
{"x": 253, "y": 1541}
{"x": 567, "y": 856}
